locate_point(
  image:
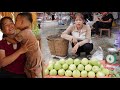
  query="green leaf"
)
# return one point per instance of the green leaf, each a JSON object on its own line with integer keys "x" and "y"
{"x": 36, "y": 30}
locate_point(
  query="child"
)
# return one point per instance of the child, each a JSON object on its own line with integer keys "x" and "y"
{"x": 33, "y": 67}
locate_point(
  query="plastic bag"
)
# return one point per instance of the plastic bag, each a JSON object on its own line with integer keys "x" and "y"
{"x": 117, "y": 40}
{"x": 98, "y": 54}
{"x": 90, "y": 23}
{"x": 117, "y": 70}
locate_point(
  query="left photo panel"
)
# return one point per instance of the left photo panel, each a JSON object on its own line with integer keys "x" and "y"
{"x": 20, "y": 45}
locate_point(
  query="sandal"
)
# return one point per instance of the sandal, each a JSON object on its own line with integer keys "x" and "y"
{"x": 88, "y": 56}
{"x": 75, "y": 56}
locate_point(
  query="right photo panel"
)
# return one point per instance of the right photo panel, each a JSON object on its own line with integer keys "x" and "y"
{"x": 80, "y": 44}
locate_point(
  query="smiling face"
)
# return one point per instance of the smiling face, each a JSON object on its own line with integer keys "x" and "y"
{"x": 8, "y": 27}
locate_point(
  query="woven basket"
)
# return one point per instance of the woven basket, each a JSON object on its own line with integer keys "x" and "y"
{"x": 57, "y": 45}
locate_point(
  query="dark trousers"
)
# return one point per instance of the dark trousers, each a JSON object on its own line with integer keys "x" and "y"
{"x": 98, "y": 25}
{"x": 53, "y": 17}
{"x": 6, "y": 74}
{"x": 87, "y": 48}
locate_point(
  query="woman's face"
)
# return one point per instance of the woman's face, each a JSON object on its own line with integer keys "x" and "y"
{"x": 78, "y": 21}
{"x": 8, "y": 27}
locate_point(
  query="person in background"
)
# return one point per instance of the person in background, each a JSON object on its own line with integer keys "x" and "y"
{"x": 79, "y": 35}
{"x": 104, "y": 22}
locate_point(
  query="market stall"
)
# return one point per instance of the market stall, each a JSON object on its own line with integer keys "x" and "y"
{"x": 97, "y": 66}
{"x": 76, "y": 68}
{"x": 107, "y": 66}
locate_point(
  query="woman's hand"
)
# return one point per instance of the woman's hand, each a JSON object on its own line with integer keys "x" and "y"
{"x": 26, "y": 47}
{"x": 74, "y": 40}
{"x": 75, "y": 48}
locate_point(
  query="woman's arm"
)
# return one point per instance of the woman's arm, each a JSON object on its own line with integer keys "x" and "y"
{"x": 66, "y": 34}
{"x": 6, "y": 60}
{"x": 108, "y": 21}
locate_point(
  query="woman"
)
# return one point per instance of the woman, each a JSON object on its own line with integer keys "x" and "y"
{"x": 80, "y": 36}
{"x": 12, "y": 57}
{"x": 104, "y": 22}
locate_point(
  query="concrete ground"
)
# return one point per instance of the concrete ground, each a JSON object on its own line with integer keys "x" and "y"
{"x": 52, "y": 28}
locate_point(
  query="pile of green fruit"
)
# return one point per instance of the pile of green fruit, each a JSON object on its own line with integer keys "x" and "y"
{"x": 76, "y": 68}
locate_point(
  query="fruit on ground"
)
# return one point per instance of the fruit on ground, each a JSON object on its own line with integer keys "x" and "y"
{"x": 84, "y": 61}
{"x": 91, "y": 74}
{"x": 100, "y": 74}
{"x": 46, "y": 72}
{"x": 84, "y": 74}
{"x": 88, "y": 67}
{"x": 61, "y": 72}
{"x": 65, "y": 66}
{"x": 57, "y": 66}
{"x": 72, "y": 67}
{"x": 80, "y": 67}
{"x": 76, "y": 73}
{"x": 62, "y": 61}
{"x": 95, "y": 69}
{"x": 68, "y": 73}
{"x": 105, "y": 71}
{"x": 76, "y": 61}
{"x": 53, "y": 72}
{"x": 69, "y": 61}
